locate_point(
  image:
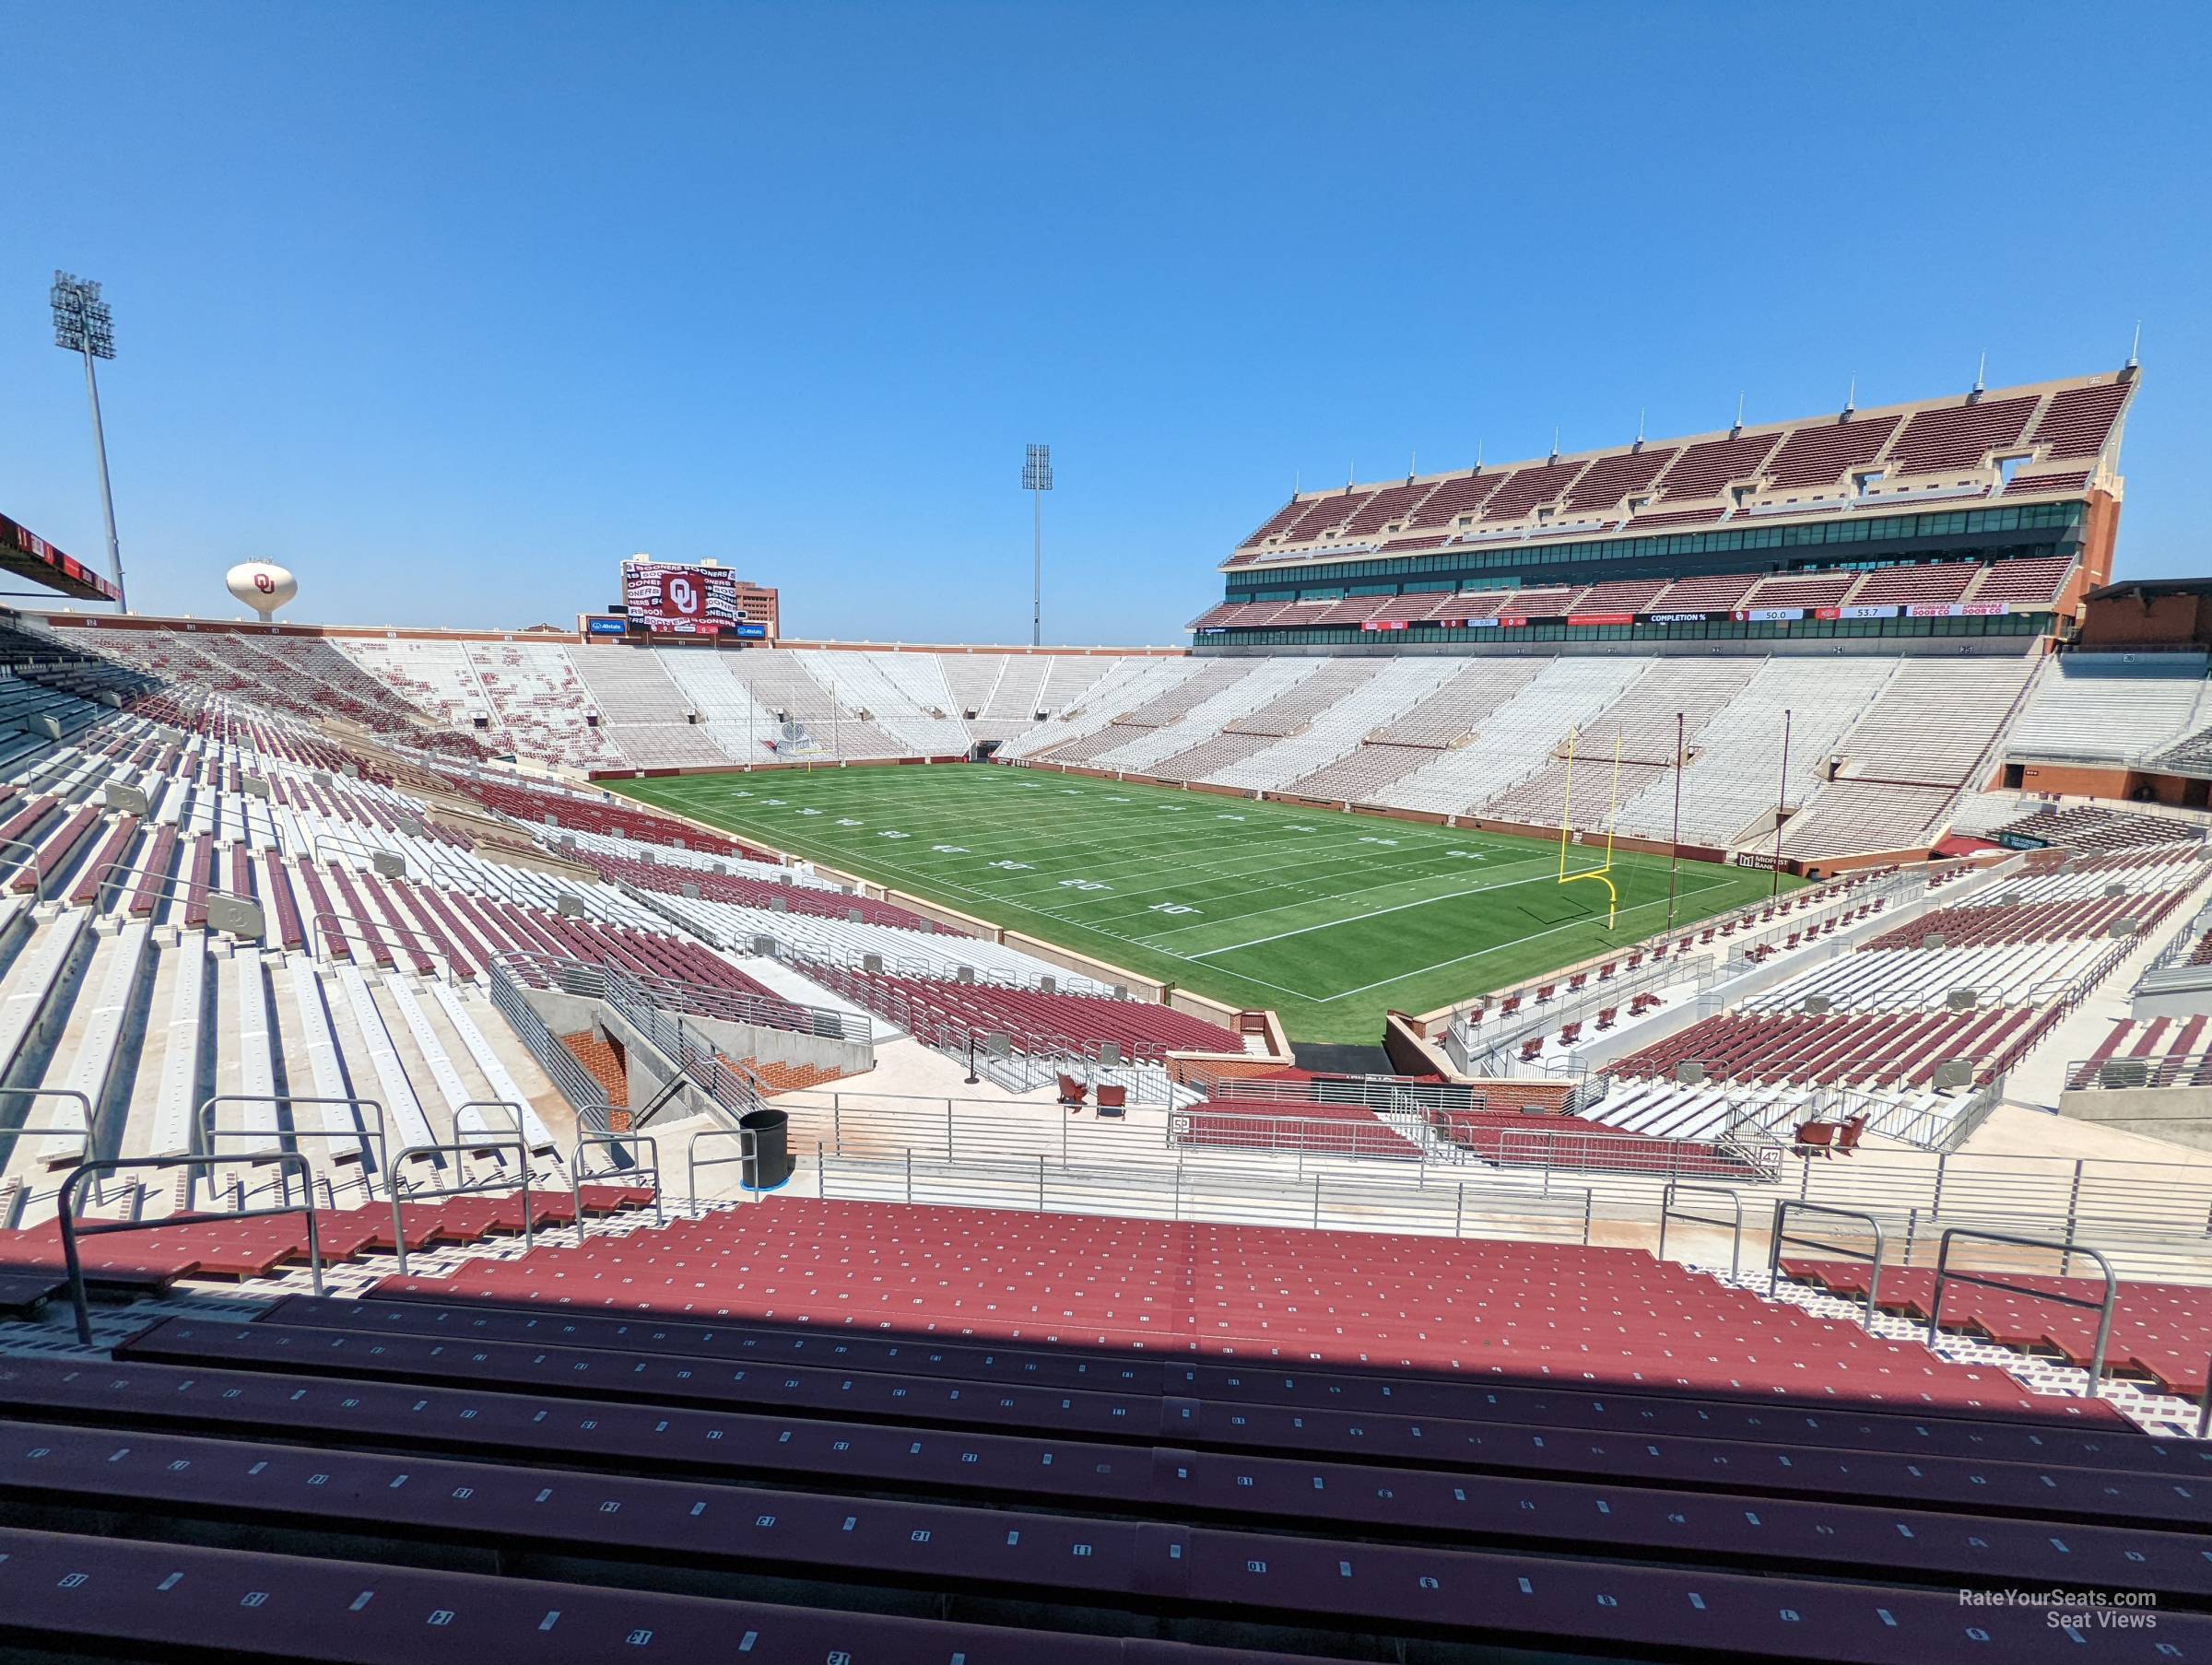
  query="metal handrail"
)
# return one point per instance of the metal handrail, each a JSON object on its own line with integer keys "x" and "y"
{"x": 1781, "y": 1235}
{"x": 1177, "y": 1187}
{"x": 72, "y": 1230}
{"x": 418, "y": 941}
{"x": 1369, "y": 1092}
{"x": 1735, "y": 1199}
{"x": 597, "y": 979}
{"x": 515, "y": 1112}
{"x": 209, "y": 1131}
{"x": 165, "y": 889}
{"x": 86, "y": 1132}
{"x": 614, "y": 1141}
{"x": 38, "y": 879}
{"x": 458, "y": 1148}
{"x": 340, "y": 841}
{"x": 2103, "y": 1309}
{"x": 692, "y": 1164}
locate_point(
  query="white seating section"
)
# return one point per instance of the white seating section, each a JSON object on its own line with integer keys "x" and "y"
{"x": 1128, "y": 686}
{"x": 1261, "y": 682}
{"x": 904, "y": 695}
{"x": 1728, "y": 797}
{"x": 1923, "y": 979}
{"x": 971, "y": 679}
{"x": 1935, "y": 730}
{"x": 536, "y": 696}
{"x": 1326, "y": 687}
{"x": 820, "y": 716}
{"x": 1627, "y": 747}
{"x": 1883, "y": 749}
{"x": 1336, "y": 731}
{"x": 1417, "y": 736}
{"x": 1517, "y": 738}
{"x": 2113, "y": 706}
{"x": 849, "y": 942}
{"x": 435, "y": 674}
{"x": 736, "y": 723}
{"x": 644, "y": 711}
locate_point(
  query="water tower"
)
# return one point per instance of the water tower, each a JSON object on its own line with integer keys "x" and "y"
{"x": 262, "y": 586}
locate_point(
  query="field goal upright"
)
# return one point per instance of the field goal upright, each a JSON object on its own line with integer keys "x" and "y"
{"x": 1603, "y": 872}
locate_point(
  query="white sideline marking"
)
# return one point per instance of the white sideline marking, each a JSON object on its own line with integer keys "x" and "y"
{"x": 1324, "y": 1000}
{"x": 950, "y": 806}
{"x": 1375, "y": 914}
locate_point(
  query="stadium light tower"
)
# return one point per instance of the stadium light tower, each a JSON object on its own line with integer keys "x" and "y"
{"x": 83, "y": 324}
{"x": 1037, "y": 479}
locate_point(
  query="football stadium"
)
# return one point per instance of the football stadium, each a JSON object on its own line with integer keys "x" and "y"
{"x": 1607, "y": 1057}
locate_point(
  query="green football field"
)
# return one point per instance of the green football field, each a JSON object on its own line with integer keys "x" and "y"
{"x": 1328, "y": 918}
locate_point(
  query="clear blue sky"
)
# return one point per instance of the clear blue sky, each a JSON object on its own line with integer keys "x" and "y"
{"x": 452, "y": 307}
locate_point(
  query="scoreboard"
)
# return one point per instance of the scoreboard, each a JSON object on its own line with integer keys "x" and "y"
{"x": 681, "y": 600}
{"x": 701, "y": 601}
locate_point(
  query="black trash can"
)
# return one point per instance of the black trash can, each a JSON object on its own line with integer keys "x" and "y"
{"x": 764, "y": 1140}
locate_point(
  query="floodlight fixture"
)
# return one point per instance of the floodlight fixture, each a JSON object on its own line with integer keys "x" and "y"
{"x": 84, "y": 324}
{"x": 1037, "y": 479}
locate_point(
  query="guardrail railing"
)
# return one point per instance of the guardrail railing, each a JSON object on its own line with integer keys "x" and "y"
{"x": 2178, "y": 951}
{"x": 593, "y": 980}
{"x": 1734, "y": 1223}
{"x": 2153, "y": 1218}
{"x": 2066, "y": 1251}
{"x": 747, "y": 1158}
{"x": 86, "y": 1135}
{"x": 204, "y": 1120}
{"x": 637, "y": 1171}
{"x": 2167, "y": 1070}
{"x": 1780, "y": 1235}
{"x": 72, "y": 1230}
{"x": 1320, "y": 1201}
{"x": 576, "y": 1083}
{"x": 1373, "y": 1092}
{"x": 402, "y": 1189}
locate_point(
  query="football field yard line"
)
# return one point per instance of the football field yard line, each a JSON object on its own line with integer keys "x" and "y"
{"x": 1265, "y": 895}
{"x": 1518, "y": 942}
{"x": 921, "y": 881}
{"x": 1144, "y": 854}
{"x": 1376, "y": 914}
{"x": 1252, "y": 854}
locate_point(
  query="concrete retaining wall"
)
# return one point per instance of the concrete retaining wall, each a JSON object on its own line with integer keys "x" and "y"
{"x": 2182, "y": 1115}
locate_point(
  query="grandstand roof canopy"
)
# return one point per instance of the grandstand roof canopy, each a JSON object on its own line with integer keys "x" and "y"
{"x": 27, "y": 554}
{"x": 2150, "y": 589}
{"x": 2043, "y": 440}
